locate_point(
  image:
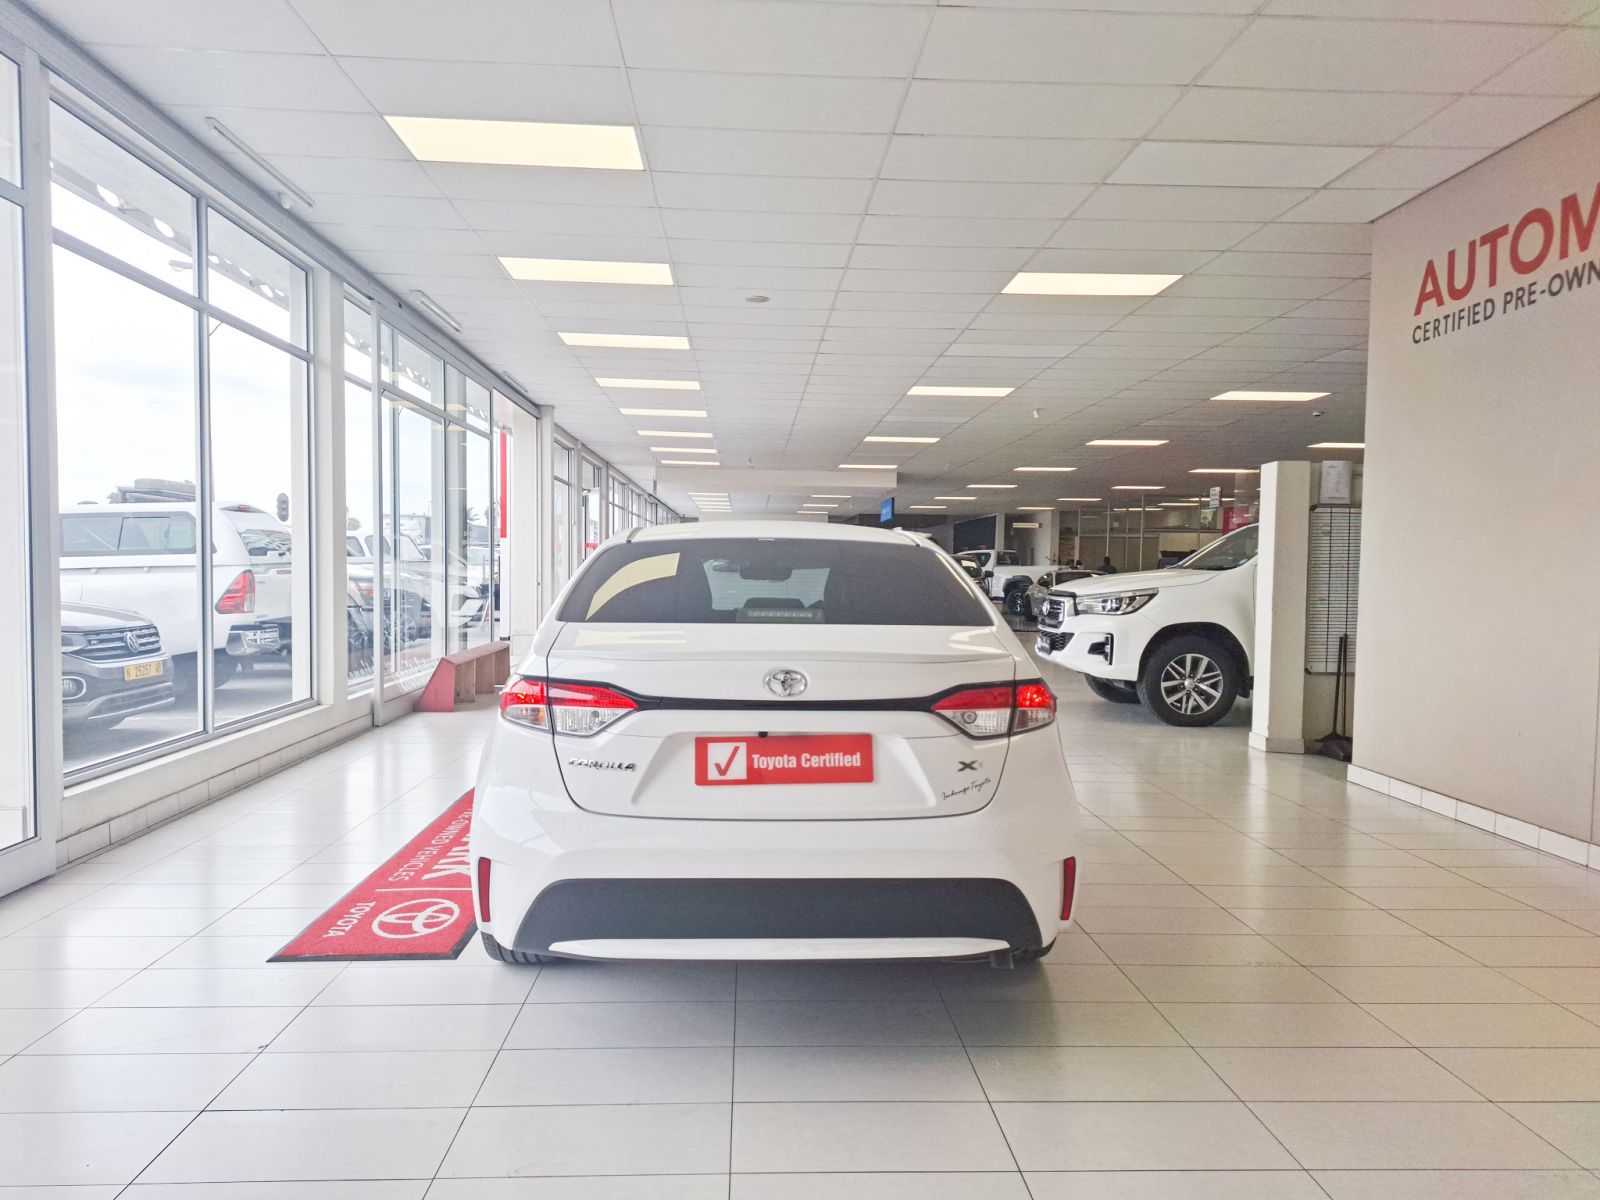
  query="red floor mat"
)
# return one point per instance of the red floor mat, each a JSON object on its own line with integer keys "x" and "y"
{"x": 416, "y": 905}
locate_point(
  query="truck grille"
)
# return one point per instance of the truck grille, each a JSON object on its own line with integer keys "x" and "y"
{"x": 1056, "y": 610}
{"x": 108, "y": 645}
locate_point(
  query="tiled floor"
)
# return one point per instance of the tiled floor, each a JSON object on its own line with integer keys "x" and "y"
{"x": 1281, "y": 988}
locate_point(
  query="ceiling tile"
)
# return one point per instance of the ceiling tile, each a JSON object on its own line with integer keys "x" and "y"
{"x": 1072, "y": 47}
{"x": 1488, "y": 122}
{"x": 272, "y": 131}
{"x": 1348, "y": 266}
{"x": 501, "y": 216}
{"x": 528, "y": 31}
{"x": 1151, "y": 235}
{"x": 758, "y": 226}
{"x": 970, "y": 198}
{"x": 1349, "y": 205}
{"x": 490, "y": 91}
{"x": 211, "y": 78}
{"x": 1139, "y": 203}
{"x": 377, "y": 176}
{"x": 1221, "y": 114}
{"x": 948, "y": 106}
{"x": 1567, "y": 65}
{"x": 1408, "y": 167}
{"x": 549, "y": 185}
{"x": 1155, "y": 262}
{"x": 943, "y": 258}
{"x": 766, "y": 101}
{"x": 1369, "y": 56}
{"x": 763, "y": 152}
{"x": 786, "y": 39}
{"x": 1241, "y": 164}
{"x": 1034, "y": 160}
{"x": 263, "y": 25}
{"x": 1533, "y": 12}
{"x": 1310, "y": 238}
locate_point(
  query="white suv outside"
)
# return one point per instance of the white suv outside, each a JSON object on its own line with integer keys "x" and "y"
{"x": 1177, "y": 640}
{"x": 738, "y": 741}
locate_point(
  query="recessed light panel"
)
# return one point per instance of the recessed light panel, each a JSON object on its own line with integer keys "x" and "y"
{"x": 927, "y": 507}
{"x": 910, "y": 441}
{"x": 520, "y": 143}
{"x": 1035, "y": 508}
{"x": 866, "y": 466}
{"x": 829, "y": 496}
{"x": 626, "y": 341}
{"x": 955, "y": 497}
{"x": 587, "y": 270}
{"x": 687, "y": 462}
{"x": 673, "y": 433}
{"x": 960, "y": 391}
{"x": 1127, "y": 442}
{"x": 1068, "y": 283}
{"x": 1286, "y": 397}
{"x": 681, "y": 450}
{"x": 1225, "y": 471}
{"x": 1043, "y": 470}
{"x": 994, "y": 487}
{"x": 660, "y": 385}
{"x": 1138, "y": 487}
{"x": 663, "y": 412}
{"x": 1337, "y": 446}
{"x": 1077, "y": 499}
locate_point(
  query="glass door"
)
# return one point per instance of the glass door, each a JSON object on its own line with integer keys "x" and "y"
{"x": 416, "y": 550}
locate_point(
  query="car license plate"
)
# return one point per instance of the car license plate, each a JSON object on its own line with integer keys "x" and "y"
{"x": 803, "y": 758}
{"x": 149, "y": 670}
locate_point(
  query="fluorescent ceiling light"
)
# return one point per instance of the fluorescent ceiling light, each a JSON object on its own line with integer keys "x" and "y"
{"x": 587, "y": 270}
{"x": 800, "y": 512}
{"x": 1139, "y": 487}
{"x": 1179, "y": 504}
{"x": 1071, "y": 283}
{"x": 520, "y": 143}
{"x": 663, "y": 412}
{"x": 1077, "y": 499}
{"x": 1127, "y": 442}
{"x": 626, "y": 341}
{"x": 672, "y": 433}
{"x": 955, "y": 497}
{"x": 1035, "y": 508}
{"x": 1025, "y": 525}
{"x": 814, "y": 504}
{"x": 1294, "y": 397}
{"x": 960, "y": 391}
{"x": 1337, "y": 446}
{"x": 687, "y": 462}
{"x": 682, "y": 450}
{"x": 926, "y": 507}
{"x": 829, "y": 496}
{"x": 992, "y": 486}
{"x": 660, "y": 385}
{"x": 1043, "y": 470}
{"x": 910, "y": 441}
{"x": 1225, "y": 471}
{"x": 866, "y": 466}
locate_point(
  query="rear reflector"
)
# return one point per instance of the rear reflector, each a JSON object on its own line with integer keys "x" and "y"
{"x": 996, "y": 711}
{"x": 483, "y": 889}
{"x": 575, "y": 709}
{"x": 1069, "y": 885}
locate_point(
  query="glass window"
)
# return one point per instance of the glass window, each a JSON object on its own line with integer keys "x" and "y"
{"x": 126, "y": 405}
{"x": 17, "y": 814}
{"x": 357, "y": 341}
{"x": 416, "y": 372}
{"x": 360, "y": 524}
{"x": 249, "y": 279}
{"x": 786, "y": 581}
{"x": 591, "y": 515}
{"x": 10, "y": 147}
{"x": 416, "y": 599}
{"x": 261, "y": 527}
{"x": 561, "y": 514}
{"x": 106, "y": 197}
{"x": 467, "y": 501}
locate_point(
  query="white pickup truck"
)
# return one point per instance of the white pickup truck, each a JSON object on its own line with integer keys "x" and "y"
{"x": 140, "y": 557}
{"x": 1004, "y": 575}
{"x": 1177, "y": 641}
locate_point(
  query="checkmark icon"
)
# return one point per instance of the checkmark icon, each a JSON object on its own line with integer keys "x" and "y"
{"x": 724, "y": 770}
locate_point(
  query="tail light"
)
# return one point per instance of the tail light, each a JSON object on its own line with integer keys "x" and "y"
{"x": 575, "y": 709}
{"x": 996, "y": 711}
{"x": 1069, "y": 887}
{"x": 240, "y": 595}
{"x": 483, "y": 889}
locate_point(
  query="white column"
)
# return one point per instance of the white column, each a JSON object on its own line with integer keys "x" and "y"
{"x": 1277, "y": 716}
{"x": 528, "y": 547}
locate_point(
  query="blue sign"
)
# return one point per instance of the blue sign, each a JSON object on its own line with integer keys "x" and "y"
{"x": 886, "y": 511}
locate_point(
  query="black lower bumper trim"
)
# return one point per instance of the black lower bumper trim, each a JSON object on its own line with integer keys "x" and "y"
{"x": 634, "y": 909}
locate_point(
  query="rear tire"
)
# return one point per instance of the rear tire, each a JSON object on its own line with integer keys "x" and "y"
{"x": 1189, "y": 681}
{"x": 1017, "y": 601}
{"x": 1118, "y": 691}
{"x": 525, "y": 958}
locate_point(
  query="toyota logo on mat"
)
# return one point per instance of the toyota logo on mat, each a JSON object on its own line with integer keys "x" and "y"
{"x": 785, "y": 682}
{"x": 416, "y": 918}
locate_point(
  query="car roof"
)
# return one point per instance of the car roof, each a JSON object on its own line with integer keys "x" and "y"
{"x": 809, "y": 530}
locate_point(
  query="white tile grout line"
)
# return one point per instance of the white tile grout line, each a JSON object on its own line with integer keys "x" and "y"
{"x": 1548, "y": 841}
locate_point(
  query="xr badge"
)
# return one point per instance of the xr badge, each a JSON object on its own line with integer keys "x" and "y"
{"x": 967, "y": 764}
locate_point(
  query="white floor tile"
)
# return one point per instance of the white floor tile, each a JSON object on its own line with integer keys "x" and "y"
{"x": 644, "y": 1139}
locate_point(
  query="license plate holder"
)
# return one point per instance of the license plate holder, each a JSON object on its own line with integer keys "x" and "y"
{"x": 149, "y": 670}
{"x": 810, "y": 758}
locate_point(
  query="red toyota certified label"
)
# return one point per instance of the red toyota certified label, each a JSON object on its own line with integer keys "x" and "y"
{"x": 818, "y": 758}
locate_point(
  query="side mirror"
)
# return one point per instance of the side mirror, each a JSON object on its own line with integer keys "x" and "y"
{"x": 987, "y": 575}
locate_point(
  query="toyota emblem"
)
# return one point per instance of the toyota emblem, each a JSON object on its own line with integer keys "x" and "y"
{"x": 416, "y": 918}
{"x": 786, "y": 683}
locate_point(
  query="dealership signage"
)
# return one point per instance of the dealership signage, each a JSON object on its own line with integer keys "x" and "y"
{"x": 813, "y": 758}
{"x": 1510, "y": 268}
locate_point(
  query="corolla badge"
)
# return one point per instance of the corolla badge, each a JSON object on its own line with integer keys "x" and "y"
{"x": 786, "y": 682}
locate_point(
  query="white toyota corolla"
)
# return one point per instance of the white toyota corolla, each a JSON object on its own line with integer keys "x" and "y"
{"x": 773, "y": 740}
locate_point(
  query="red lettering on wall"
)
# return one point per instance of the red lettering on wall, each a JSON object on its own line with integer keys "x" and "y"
{"x": 1524, "y": 264}
{"x": 1430, "y": 289}
{"x": 1575, "y": 221}
{"x": 1491, "y": 242}
{"x": 1458, "y": 291}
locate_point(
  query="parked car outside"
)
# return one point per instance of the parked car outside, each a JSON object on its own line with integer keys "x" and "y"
{"x": 735, "y": 740}
{"x": 140, "y": 557}
{"x": 1177, "y": 640}
{"x": 112, "y": 666}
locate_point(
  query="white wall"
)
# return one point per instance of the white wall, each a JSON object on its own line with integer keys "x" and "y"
{"x": 1478, "y": 670}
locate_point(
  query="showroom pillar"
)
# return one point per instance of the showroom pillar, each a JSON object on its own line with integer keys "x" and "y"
{"x": 1277, "y": 710}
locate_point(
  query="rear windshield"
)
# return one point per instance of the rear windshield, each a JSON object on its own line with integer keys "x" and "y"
{"x": 131, "y": 533}
{"x": 781, "y": 581}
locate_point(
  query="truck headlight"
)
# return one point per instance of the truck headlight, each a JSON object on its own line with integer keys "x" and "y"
{"x": 1112, "y": 604}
